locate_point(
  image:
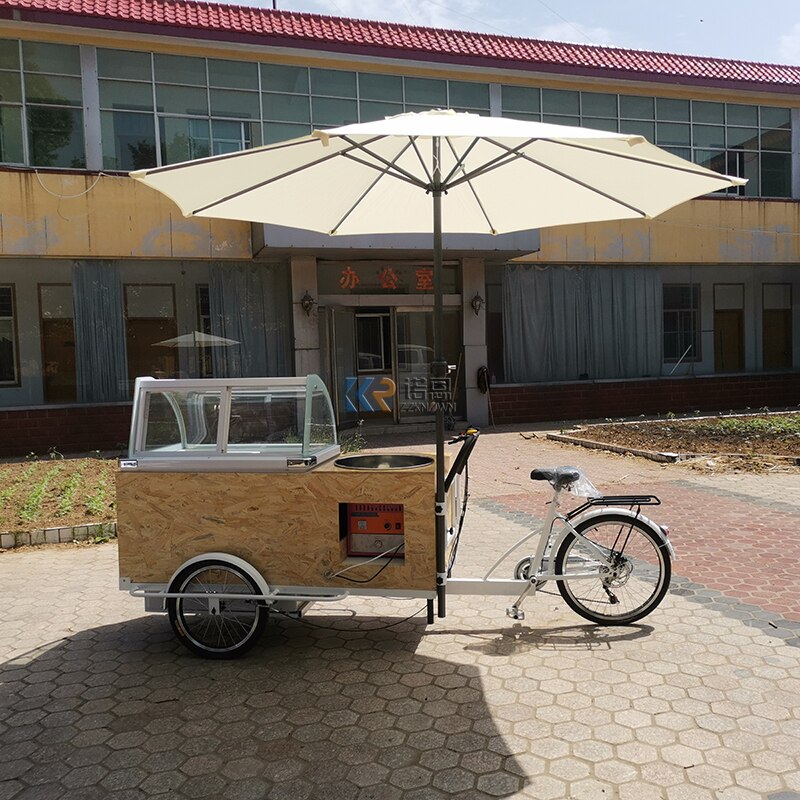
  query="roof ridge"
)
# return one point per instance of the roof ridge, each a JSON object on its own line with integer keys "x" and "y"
{"x": 343, "y": 33}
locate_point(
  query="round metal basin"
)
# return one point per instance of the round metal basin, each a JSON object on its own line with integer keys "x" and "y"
{"x": 383, "y": 461}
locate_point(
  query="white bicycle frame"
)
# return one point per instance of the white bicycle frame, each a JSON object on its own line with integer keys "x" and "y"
{"x": 511, "y": 586}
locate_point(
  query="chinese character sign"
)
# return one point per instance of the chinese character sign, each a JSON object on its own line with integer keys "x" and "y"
{"x": 389, "y": 278}
{"x": 349, "y": 278}
{"x": 424, "y": 279}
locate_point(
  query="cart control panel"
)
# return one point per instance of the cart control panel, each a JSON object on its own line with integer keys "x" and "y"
{"x": 374, "y": 528}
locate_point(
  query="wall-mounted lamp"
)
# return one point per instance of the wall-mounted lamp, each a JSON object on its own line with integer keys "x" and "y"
{"x": 307, "y": 302}
{"x": 477, "y": 303}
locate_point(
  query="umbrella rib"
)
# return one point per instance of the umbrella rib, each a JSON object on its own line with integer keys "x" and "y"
{"x": 421, "y": 159}
{"x": 399, "y": 170}
{"x": 275, "y": 178}
{"x": 460, "y": 162}
{"x": 369, "y": 188}
{"x": 459, "y": 159}
{"x": 386, "y": 171}
{"x": 508, "y": 155}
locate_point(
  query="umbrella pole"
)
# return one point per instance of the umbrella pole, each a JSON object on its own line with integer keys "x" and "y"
{"x": 439, "y": 372}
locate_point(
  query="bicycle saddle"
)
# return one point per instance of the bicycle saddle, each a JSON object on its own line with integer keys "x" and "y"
{"x": 557, "y": 477}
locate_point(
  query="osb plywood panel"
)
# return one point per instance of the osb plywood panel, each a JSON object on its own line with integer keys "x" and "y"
{"x": 285, "y": 525}
{"x": 105, "y": 216}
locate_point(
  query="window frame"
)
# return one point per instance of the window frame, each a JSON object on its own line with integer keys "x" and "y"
{"x": 17, "y": 379}
{"x": 692, "y": 309}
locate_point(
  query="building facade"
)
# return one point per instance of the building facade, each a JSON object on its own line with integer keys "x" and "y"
{"x": 102, "y": 280}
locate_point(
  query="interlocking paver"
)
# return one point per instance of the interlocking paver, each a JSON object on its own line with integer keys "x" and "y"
{"x": 700, "y": 700}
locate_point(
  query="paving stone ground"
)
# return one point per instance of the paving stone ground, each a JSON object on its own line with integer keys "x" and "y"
{"x": 699, "y": 700}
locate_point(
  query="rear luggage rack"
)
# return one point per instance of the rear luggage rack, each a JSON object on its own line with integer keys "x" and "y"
{"x": 628, "y": 500}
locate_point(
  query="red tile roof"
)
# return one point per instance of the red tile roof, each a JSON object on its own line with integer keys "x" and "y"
{"x": 292, "y": 29}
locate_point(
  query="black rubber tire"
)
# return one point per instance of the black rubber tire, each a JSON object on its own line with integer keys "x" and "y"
{"x": 653, "y": 575}
{"x": 187, "y": 632}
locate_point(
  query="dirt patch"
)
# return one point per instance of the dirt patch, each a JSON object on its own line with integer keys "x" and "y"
{"x": 56, "y": 493}
{"x": 757, "y": 443}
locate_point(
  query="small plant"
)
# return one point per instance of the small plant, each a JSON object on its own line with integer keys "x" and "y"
{"x": 97, "y": 502}
{"x": 353, "y": 441}
{"x": 54, "y": 454}
{"x": 30, "y": 509}
{"x": 67, "y": 499}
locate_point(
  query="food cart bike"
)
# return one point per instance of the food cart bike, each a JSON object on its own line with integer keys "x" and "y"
{"x": 235, "y": 501}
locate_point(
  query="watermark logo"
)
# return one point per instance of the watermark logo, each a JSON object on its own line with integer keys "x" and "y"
{"x": 369, "y": 393}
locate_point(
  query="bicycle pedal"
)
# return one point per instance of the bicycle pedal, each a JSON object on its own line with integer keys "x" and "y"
{"x": 515, "y": 613}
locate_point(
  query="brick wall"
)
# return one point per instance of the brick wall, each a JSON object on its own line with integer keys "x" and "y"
{"x": 598, "y": 400}
{"x": 70, "y": 429}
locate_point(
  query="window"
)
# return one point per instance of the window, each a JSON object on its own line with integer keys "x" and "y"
{"x": 57, "y": 326}
{"x": 776, "y": 325}
{"x": 748, "y": 141}
{"x": 728, "y": 327}
{"x": 149, "y": 322}
{"x": 8, "y": 337}
{"x": 41, "y": 93}
{"x": 682, "y": 322}
{"x": 205, "y": 365}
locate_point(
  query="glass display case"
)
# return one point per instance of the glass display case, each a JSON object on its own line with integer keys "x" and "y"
{"x": 231, "y": 425}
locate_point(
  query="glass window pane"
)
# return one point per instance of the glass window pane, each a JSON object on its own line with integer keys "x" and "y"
{"x": 129, "y": 140}
{"x": 744, "y": 165}
{"x": 232, "y": 74}
{"x": 711, "y": 136}
{"x": 741, "y": 115}
{"x": 56, "y": 302}
{"x": 130, "y": 96}
{"x": 711, "y": 159}
{"x": 775, "y": 117}
{"x": 9, "y": 54}
{"x": 283, "y": 131}
{"x": 286, "y": 107}
{"x": 742, "y": 138}
{"x": 8, "y": 350}
{"x": 60, "y": 59}
{"x": 600, "y": 124}
{"x": 333, "y": 83}
{"x": 676, "y": 110}
{"x": 276, "y": 78}
{"x": 52, "y": 89}
{"x": 183, "y": 139}
{"x": 776, "y": 175}
{"x": 124, "y": 65}
{"x": 426, "y": 92}
{"x": 777, "y": 140}
{"x": 681, "y": 152}
{"x": 558, "y": 101}
{"x": 673, "y": 133}
{"x": 10, "y": 87}
{"x": 11, "y": 135}
{"x": 227, "y": 103}
{"x": 55, "y": 137}
{"x": 646, "y": 129}
{"x": 558, "y": 119}
{"x": 380, "y": 87}
{"x": 182, "y": 100}
{"x": 230, "y": 137}
{"x": 371, "y": 111}
{"x": 594, "y": 104}
{"x": 327, "y": 111}
{"x": 520, "y": 98}
{"x": 469, "y": 95}
{"x": 180, "y": 69}
{"x": 708, "y": 112}
{"x": 522, "y": 116}
{"x": 636, "y": 107}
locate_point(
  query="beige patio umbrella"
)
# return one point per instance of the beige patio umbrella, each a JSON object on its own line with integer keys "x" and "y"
{"x": 483, "y": 174}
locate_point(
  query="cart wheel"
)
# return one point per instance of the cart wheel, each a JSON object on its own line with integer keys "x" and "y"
{"x": 214, "y": 627}
{"x": 522, "y": 571}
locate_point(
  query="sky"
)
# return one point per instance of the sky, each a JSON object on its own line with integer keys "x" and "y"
{"x": 768, "y": 31}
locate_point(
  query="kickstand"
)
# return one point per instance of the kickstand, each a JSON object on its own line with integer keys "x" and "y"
{"x": 515, "y": 611}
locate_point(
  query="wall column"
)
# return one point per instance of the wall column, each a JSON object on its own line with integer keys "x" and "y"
{"x": 473, "y": 281}
{"x": 307, "y": 358}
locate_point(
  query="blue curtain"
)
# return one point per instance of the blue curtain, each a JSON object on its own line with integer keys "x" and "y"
{"x": 100, "y": 353}
{"x": 574, "y": 323}
{"x": 251, "y": 303}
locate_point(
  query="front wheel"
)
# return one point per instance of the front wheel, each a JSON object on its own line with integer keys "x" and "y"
{"x": 620, "y": 577}
{"x": 211, "y": 626}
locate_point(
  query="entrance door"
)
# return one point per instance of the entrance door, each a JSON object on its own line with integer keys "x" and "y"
{"x": 375, "y": 352}
{"x": 415, "y": 356}
{"x": 342, "y": 337}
